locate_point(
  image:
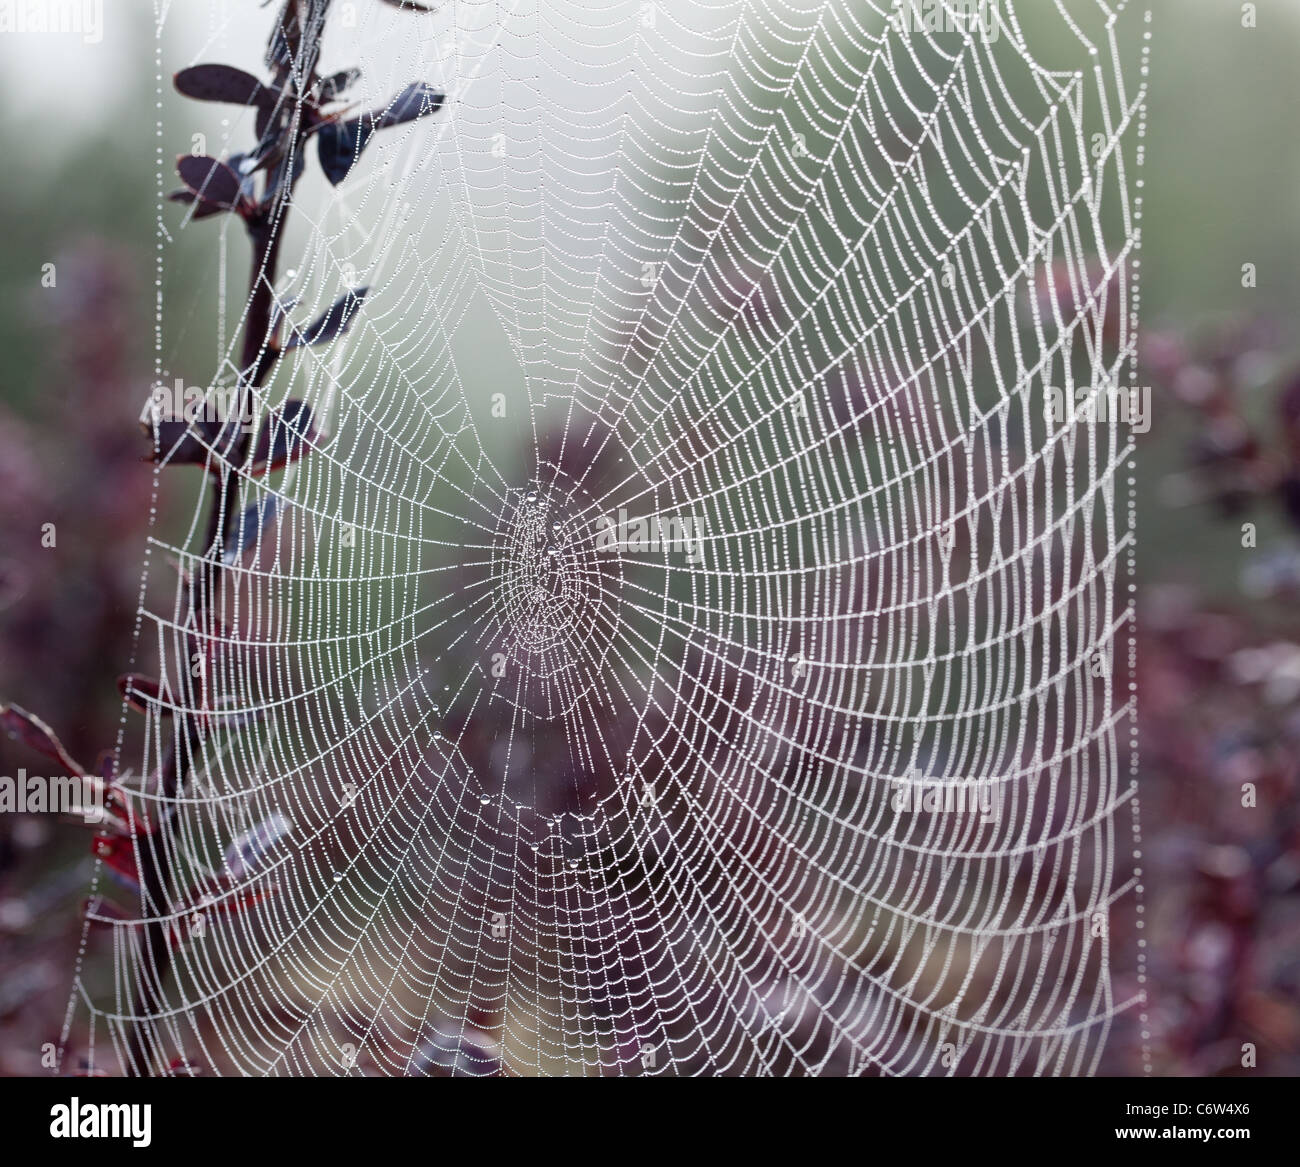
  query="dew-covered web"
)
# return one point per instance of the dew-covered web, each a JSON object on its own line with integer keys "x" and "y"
{"x": 685, "y": 503}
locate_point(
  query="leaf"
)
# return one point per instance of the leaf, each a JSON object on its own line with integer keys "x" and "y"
{"x": 285, "y": 436}
{"x": 211, "y": 180}
{"x": 143, "y": 693}
{"x": 245, "y": 854}
{"x": 118, "y": 854}
{"x": 251, "y": 526}
{"x": 34, "y": 733}
{"x": 332, "y": 87}
{"x": 223, "y": 83}
{"x": 203, "y": 209}
{"x": 333, "y": 323}
{"x": 203, "y": 900}
{"x": 218, "y": 896}
{"x": 102, "y": 913}
{"x": 119, "y": 817}
{"x": 417, "y": 100}
{"x": 339, "y": 144}
{"x": 182, "y": 443}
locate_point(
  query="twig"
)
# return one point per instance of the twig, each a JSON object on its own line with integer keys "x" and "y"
{"x": 291, "y": 111}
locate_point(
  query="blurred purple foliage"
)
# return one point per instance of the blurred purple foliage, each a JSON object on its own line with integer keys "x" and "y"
{"x": 66, "y": 609}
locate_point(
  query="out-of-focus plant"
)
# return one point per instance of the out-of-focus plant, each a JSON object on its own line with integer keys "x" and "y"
{"x": 66, "y": 596}
{"x": 1220, "y": 709}
{"x": 64, "y": 589}
{"x": 1237, "y": 463}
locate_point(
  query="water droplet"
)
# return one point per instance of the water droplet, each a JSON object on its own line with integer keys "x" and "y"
{"x": 338, "y": 877}
{"x": 552, "y": 551}
{"x": 531, "y": 496}
{"x": 555, "y": 526}
{"x": 573, "y": 863}
{"x": 485, "y": 801}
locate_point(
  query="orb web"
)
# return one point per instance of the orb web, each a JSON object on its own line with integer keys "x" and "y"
{"x": 687, "y": 534}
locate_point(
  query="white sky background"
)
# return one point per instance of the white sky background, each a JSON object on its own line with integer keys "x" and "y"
{"x": 76, "y": 81}
{"x": 66, "y": 79}
{"x": 1217, "y": 94}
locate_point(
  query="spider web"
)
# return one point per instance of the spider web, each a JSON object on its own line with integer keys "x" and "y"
{"x": 774, "y": 292}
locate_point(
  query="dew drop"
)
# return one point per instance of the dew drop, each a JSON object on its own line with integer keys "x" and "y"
{"x": 338, "y": 877}
{"x": 531, "y": 496}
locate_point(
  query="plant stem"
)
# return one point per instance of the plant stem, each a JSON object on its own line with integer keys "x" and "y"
{"x": 156, "y": 860}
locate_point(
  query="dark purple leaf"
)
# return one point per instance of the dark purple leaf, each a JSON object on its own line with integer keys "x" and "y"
{"x": 284, "y": 436}
{"x": 223, "y": 83}
{"x": 33, "y": 732}
{"x": 203, "y": 210}
{"x": 183, "y": 443}
{"x": 333, "y": 324}
{"x": 339, "y": 144}
{"x": 143, "y": 693}
{"x": 211, "y": 180}
{"x": 118, "y": 855}
{"x": 102, "y": 913}
{"x": 417, "y": 100}
{"x": 332, "y": 87}
{"x": 244, "y": 166}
